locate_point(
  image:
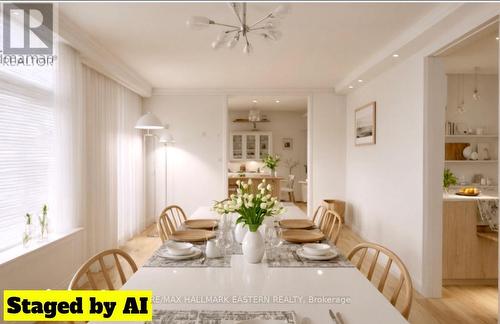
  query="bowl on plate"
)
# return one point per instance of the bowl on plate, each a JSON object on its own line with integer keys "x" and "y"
{"x": 179, "y": 248}
{"x": 316, "y": 248}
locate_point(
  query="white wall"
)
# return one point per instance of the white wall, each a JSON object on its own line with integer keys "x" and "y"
{"x": 327, "y": 146}
{"x": 283, "y": 124}
{"x": 384, "y": 181}
{"x": 194, "y": 162}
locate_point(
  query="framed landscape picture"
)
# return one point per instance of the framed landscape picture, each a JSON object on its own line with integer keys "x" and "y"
{"x": 365, "y": 124}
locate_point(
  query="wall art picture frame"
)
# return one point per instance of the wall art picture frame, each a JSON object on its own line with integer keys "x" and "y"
{"x": 365, "y": 124}
{"x": 287, "y": 143}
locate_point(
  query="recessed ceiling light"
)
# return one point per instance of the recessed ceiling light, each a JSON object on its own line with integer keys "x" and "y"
{"x": 254, "y": 101}
{"x": 395, "y": 55}
{"x": 360, "y": 80}
{"x": 350, "y": 87}
{"x": 277, "y": 101}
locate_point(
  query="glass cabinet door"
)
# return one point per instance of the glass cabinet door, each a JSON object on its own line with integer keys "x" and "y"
{"x": 251, "y": 147}
{"x": 237, "y": 147}
{"x": 263, "y": 146}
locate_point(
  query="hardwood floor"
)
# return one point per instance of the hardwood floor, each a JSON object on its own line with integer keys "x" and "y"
{"x": 459, "y": 304}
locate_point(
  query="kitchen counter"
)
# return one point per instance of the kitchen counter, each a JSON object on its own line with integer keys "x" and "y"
{"x": 486, "y": 194}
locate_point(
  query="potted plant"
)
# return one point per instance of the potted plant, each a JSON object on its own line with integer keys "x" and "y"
{"x": 252, "y": 208}
{"x": 449, "y": 179}
{"x": 271, "y": 162}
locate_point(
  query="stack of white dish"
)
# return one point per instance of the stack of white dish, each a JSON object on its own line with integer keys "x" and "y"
{"x": 316, "y": 252}
{"x": 179, "y": 251}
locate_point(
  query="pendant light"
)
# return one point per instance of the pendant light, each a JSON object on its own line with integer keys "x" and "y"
{"x": 475, "y": 93}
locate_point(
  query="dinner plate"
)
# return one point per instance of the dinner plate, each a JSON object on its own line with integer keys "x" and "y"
{"x": 328, "y": 256}
{"x": 302, "y": 236}
{"x": 195, "y": 252}
{"x": 296, "y": 223}
{"x": 201, "y": 223}
{"x": 192, "y": 236}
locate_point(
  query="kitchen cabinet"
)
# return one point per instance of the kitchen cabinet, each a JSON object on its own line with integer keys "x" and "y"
{"x": 253, "y": 146}
{"x": 468, "y": 257}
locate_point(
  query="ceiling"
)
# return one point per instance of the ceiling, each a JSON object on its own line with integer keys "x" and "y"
{"x": 321, "y": 44}
{"x": 268, "y": 103}
{"x": 479, "y": 50}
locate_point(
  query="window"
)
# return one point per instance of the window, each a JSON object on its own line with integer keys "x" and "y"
{"x": 26, "y": 149}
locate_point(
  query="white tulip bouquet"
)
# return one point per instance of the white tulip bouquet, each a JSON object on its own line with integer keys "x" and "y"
{"x": 252, "y": 207}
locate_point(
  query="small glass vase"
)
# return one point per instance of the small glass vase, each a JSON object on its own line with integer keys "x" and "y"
{"x": 27, "y": 235}
{"x": 274, "y": 173}
{"x": 44, "y": 228}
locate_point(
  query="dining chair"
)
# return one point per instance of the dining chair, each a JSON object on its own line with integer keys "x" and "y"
{"x": 97, "y": 262}
{"x": 318, "y": 214}
{"x": 289, "y": 188}
{"x": 331, "y": 225}
{"x": 392, "y": 258}
{"x": 171, "y": 219}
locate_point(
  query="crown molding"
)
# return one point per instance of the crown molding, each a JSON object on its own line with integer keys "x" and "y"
{"x": 239, "y": 92}
{"x": 406, "y": 44}
{"x": 99, "y": 58}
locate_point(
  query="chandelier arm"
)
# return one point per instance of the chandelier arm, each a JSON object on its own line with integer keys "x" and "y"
{"x": 244, "y": 15}
{"x": 225, "y": 25}
{"x": 260, "y": 20}
{"x": 233, "y": 6}
{"x": 256, "y": 28}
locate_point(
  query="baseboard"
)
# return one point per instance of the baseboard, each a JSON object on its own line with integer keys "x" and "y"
{"x": 470, "y": 282}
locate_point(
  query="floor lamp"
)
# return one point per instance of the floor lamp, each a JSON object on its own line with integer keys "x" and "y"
{"x": 149, "y": 122}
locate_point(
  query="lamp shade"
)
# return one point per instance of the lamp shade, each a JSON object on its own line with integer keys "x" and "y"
{"x": 167, "y": 138}
{"x": 148, "y": 121}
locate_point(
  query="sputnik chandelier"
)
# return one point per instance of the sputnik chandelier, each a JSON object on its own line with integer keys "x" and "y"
{"x": 266, "y": 27}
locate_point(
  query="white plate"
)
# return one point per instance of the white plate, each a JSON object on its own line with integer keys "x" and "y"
{"x": 195, "y": 252}
{"x": 316, "y": 248}
{"x": 179, "y": 248}
{"x": 328, "y": 256}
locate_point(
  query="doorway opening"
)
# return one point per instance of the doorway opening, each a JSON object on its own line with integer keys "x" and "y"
{"x": 260, "y": 127}
{"x": 461, "y": 169}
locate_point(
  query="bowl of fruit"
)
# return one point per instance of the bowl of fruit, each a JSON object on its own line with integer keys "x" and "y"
{"x": 468, "y": 191}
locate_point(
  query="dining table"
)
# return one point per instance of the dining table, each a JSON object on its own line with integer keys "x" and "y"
{"x": 306, "y": 292}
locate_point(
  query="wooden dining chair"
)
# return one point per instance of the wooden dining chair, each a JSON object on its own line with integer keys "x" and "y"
{"x": 318, "y": 214}
{"x": 171, "y": 219}
{"x": 331, "y": 225}
{"x": 96, "y": 265}
{"x": 392, "y": 258}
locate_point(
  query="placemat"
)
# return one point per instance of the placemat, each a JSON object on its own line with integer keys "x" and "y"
{"x": 157, "y": 261}
{"x": 218, "y": 317}
{"x": 284, "y": 258}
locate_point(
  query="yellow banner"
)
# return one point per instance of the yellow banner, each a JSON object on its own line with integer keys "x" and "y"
{"x": 77, "y": 305}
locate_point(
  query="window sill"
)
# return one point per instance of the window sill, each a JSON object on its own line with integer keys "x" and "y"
{"x": 19, "y": 251}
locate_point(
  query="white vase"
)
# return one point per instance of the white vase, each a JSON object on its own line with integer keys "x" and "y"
{"x": 240, "y": 231}
{"x": 253, "y": 247}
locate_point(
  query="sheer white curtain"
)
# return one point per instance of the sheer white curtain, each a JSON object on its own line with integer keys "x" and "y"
{"x": 114, "y": 162}
{"x": 68, "y": 192}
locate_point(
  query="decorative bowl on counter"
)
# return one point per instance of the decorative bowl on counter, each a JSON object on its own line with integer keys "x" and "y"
{"x": 468, "y": 191}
